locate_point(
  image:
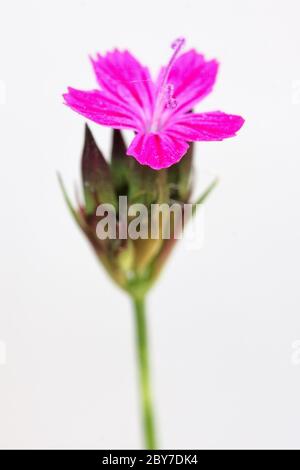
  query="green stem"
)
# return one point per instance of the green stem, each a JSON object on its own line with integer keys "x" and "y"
{"x": 143, "y": 362}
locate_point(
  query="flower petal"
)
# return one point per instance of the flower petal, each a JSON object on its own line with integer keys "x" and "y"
{"x": 157, "y": 150}
{"x": 100, "y": 108}
{"x": 192, "y": 77}
{"x": 122, "y": 76}
{"x": 205, "y": 126}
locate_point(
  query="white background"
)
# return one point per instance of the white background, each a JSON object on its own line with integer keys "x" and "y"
{"x": 223, "y": 319}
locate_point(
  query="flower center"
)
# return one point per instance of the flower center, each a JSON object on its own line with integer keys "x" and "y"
{"x": 165, "y": 93}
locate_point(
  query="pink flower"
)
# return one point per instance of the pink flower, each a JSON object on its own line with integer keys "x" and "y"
{"x": 159, "y": 112}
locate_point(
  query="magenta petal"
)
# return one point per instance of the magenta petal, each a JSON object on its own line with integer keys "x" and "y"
{"x": 120, "y": 74}
{"x": 207, "y": 126}
{"x": 193, "y": 78}
{"x": 98, "y": 107}
{"x": 157, "y": 150}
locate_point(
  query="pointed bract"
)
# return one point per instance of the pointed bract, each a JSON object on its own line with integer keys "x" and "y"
{"x": 96, "y": 175}
{"x": 119, "y": 163}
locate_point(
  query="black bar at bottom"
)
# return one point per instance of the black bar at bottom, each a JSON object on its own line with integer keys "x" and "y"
{"x": 132, "y": 458}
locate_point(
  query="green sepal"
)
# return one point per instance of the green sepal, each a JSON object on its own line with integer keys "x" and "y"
{"x": 179, "y": 177}
{"x": 138, "y": 182}
{"x": 144, "y": 184}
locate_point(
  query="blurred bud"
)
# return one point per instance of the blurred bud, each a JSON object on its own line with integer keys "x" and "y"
{"x": 135, "y": 262}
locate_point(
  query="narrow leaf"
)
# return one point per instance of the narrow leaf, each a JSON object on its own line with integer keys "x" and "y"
{"x": 73, "y": 212}
{"x": 205, "y": 194}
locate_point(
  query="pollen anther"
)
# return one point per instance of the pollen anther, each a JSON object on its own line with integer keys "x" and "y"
{"x": 171, "y": 102}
